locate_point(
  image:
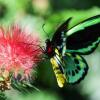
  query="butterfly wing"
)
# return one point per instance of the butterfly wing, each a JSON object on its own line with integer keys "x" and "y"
{"x": 60, "y": 35}
{"x": 84, "y": 37}
{"x": 75, "y": 68}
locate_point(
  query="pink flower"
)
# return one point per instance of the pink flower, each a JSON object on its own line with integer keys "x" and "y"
{"x": 19, "y": 52}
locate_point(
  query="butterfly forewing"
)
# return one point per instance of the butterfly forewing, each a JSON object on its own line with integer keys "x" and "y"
{"x": 60, "y": 34}
{"x": 84, "y": 37}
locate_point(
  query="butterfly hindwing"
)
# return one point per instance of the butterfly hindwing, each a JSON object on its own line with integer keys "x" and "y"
{"x": 75, "y": 68}
{"x": 84, "y": 37}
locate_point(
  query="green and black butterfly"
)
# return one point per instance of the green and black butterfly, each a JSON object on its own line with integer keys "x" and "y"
{"x": 67, "y": 46}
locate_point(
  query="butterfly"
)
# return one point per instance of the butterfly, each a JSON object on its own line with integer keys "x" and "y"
{"x": 66, "y": 47}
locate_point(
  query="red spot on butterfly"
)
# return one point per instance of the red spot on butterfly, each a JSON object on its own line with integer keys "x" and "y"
{"x": 49, "y": 50}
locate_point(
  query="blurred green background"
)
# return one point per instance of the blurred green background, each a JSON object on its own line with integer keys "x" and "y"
{"x": 31, "y": 15}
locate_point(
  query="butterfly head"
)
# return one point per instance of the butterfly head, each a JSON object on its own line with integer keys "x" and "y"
{"x": 49, "y": 50}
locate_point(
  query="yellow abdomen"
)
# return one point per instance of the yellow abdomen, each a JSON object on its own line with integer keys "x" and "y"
{"x": 59, "y": 75}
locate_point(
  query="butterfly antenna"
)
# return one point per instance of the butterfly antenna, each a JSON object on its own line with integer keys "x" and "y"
{"x": 44, "y": 30}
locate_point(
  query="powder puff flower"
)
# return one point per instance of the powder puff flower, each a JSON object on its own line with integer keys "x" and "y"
{"x": 19, "y": 52}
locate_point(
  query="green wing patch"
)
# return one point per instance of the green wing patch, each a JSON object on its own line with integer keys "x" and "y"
{"x": 75, "y": 68}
